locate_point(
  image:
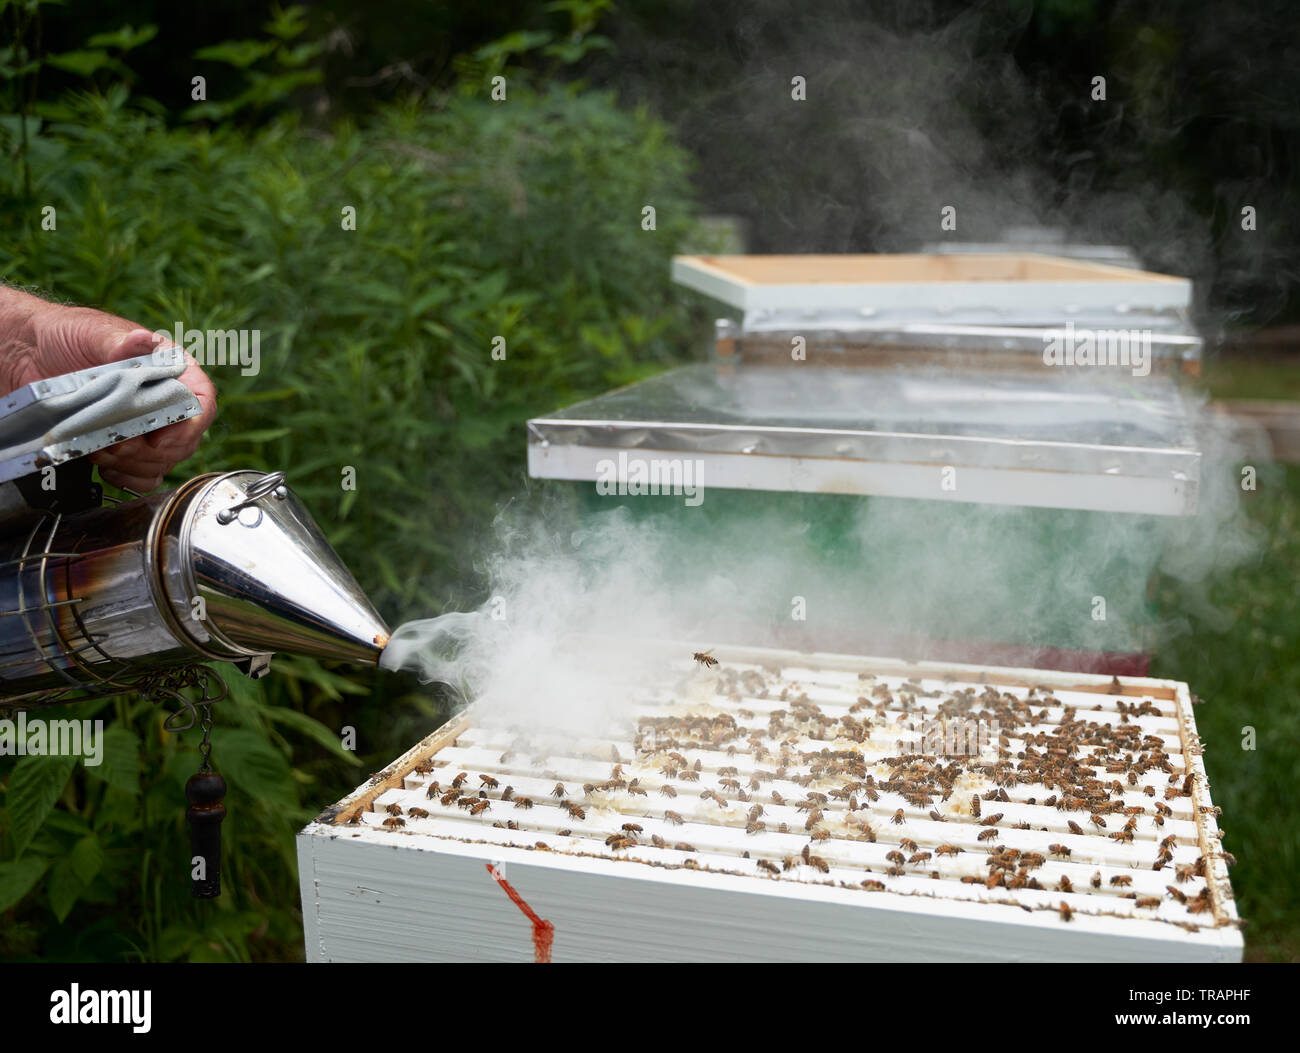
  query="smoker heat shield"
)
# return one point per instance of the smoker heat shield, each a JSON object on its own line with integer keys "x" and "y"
{"x": 1050, "y": 439}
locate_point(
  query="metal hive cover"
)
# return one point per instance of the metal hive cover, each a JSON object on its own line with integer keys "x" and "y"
{"x": 1109, "y": 445}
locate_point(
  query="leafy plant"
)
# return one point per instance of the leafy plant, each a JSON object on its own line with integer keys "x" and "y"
{"x": 473, "y": 220}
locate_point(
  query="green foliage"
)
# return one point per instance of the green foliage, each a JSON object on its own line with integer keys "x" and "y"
{"x": 474, "y": 220}
{"x": 1242, "y": 657}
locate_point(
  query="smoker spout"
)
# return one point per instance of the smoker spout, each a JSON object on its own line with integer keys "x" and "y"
{"x": 252, "y": 558}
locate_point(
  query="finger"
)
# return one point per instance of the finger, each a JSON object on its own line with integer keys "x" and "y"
{"x": 137, "y": 341}
{"x": 185, "y": 435}
{"x": 134, "y": 455}
{"x": 141, "y": 484}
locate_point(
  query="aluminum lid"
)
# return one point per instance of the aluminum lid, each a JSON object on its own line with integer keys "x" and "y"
{"x": 1118, "y": 445}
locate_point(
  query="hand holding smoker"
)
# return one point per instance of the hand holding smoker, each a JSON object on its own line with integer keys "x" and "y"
{"x": 138, "y": 595}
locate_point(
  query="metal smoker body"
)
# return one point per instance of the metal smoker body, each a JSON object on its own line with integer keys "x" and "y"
{"x": 227, "y": 567}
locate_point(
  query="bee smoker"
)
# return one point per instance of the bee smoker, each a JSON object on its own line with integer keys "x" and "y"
{"x": 138, "y": 595}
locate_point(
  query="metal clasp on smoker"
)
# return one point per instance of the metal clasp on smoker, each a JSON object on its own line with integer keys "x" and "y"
{"x": 273, "y": 483}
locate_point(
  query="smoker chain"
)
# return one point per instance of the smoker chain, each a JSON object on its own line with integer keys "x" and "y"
{"x": 161, "y": 685}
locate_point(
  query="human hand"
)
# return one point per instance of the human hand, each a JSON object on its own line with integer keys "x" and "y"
{"x": 39, "y": 340}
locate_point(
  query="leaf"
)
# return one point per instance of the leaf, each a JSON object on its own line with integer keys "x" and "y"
{"x": 34, "y": 786}
{"x": 17, "y": 879}
{"x": 125, "y": 38}
{"x": 120, "y": 764}
{"x": 313, "y": 729}
{"x": 81, "y": 62}
{"x": 240, "y": 53}
{"x": 253, "y": 765}
{"x": 71, "y": 874}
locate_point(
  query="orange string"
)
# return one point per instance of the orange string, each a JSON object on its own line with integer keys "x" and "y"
{"x": 543, "y": 931}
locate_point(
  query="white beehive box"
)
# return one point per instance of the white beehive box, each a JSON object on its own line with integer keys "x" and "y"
{"x": 1007, "y": 286}
{"x": 749, "y": 873}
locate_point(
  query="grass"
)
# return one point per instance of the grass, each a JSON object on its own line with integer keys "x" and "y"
{"x": 1242, "y": 657}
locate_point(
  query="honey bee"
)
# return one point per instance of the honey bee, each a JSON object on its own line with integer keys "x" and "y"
{"x": 480, "y": 807}
{"x": 777, "y": 798}
{"x": 947, "y": 850}
{"x": 1066, "y": 913}
{"x": 992, "y": 820}
{"x": 425, "y": 767}
{"x": 897, "y": 818}
{"x": 820, "y": 834}
{"x": 667, "y": 790}
{"x": 937, "y": 817}
{"x": 559, "y": 790}
{"x": 705, "y": 658}
{"x": 523, "y": 802}
{"x": 432, "y": 790}
{"x": 632, "y": 828}
{"x": 1121, "y": 881}
{"x": 394, "y": 822}
{"x": 1097, "y": 820}
{"x": 620, "y": 842}
{"x": 1149, "y": 902}
{"x": 466, "y": 802}
{"x": 1096, "y": 879}
{"x": 754, "y": 826}
{"x": 356, "y": 818}
{"x": 459, "y": 781}
{"x": 1075, "y": 828}
{"x": 986, "y": 835}
{"x": 418, "y": 813}
{"x": 575, "y": 812}
{"x": 975, "y": 805}
{"x": 674, "y": 818}
{"x": 819, "y": 863}
{"x": 658, "y": 841}
{"x": 771, "y": 868}
{"x": 919, "y": 857}
{"x": 394, "y": 809}
{"x": 682, "y": 846}
{"x": 508, "y": 793}
{"x": 488, "y": 781}
{"x": 907, "y": 845}
{"x": 1064, "y": 885}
